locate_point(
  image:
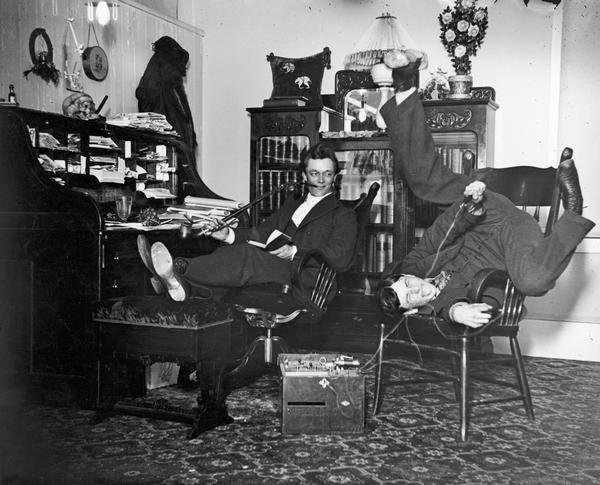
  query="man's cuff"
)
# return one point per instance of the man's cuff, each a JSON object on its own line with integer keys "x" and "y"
{"x": 446, "y": 313}
{"x": 294, "y": 251}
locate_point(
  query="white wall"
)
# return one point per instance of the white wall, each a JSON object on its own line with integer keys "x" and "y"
{"x": 514, "y": 58}
{"x": 542, "y": 63}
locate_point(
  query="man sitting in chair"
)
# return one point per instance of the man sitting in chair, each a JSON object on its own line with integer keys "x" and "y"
{"x": 481, "y": 229}
{"x": 319, "y": 221}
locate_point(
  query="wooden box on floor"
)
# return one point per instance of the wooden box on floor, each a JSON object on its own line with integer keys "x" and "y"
{"x": 320, "y": 397}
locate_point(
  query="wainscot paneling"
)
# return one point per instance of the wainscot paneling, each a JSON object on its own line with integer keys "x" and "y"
{"x": 127, "y": 42}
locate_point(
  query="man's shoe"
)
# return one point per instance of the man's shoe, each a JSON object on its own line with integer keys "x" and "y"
{"x": 144, "y": 250}
{"x": 163, "y": 265}
{"x": 571, "y": 190}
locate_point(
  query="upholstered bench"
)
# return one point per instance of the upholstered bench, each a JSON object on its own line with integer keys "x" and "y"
{"x": 135, "y": 332}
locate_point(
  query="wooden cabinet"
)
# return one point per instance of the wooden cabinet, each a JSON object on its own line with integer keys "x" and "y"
{"x": 59, "y": 258}
{"x": 101, "y": 159}
{"x": 463, "y": 132}
{"x": 464, "y": 125}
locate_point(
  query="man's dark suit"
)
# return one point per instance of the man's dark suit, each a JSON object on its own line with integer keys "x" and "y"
{"x": 328, "y": 226}
{"x": 504, "y": 238}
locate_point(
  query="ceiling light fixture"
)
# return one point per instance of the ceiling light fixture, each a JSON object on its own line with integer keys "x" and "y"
{"x": 101, "y": 11}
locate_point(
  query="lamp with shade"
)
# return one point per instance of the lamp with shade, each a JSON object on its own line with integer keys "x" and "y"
{"x": 384, "y": 39}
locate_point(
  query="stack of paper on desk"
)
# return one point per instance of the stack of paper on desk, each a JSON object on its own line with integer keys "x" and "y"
{"x": 204, "y": 207}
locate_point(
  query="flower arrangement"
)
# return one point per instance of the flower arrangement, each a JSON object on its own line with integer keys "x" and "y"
{"x": 463, "y": 29}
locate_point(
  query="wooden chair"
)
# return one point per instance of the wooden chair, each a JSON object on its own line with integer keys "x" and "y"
{"x": 530, "y": 188}
{"x": 269, "y": 306}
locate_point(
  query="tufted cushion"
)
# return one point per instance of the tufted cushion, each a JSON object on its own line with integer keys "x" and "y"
{"x": 300, "y": 76}
{"x": 162, "y": 311}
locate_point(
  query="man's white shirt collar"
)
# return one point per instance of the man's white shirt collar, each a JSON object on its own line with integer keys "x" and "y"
{"x": 313, "y": 199}
{"x": 402, "y": 95}
{"x": 306, "y": 206}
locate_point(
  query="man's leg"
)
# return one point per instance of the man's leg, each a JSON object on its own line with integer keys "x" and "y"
{"x": 235, "y": 266}
{"x": 535, "y": 262}
{"x": 414, "y": 150}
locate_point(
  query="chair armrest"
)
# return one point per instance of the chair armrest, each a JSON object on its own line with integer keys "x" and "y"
{"x": 511, "y": 309}
{"x": 316, "y": 297}
{"x": 486, "y": 278}
{"x": 300, "y": 263}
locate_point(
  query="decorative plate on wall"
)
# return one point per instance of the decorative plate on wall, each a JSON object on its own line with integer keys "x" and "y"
{"x": 95, "y": 60}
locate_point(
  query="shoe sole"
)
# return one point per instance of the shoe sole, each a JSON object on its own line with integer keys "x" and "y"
{"x": 144, "y": 250}
{"x": 163, "y": 265}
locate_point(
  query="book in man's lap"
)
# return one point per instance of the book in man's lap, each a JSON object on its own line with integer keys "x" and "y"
{"x": 275, "y": 240}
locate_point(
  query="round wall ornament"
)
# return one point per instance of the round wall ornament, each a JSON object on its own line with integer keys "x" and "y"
{"x": 94, "y": 59}
{"x": 41, "y": 53}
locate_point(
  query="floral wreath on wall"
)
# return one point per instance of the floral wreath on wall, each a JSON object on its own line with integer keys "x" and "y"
{"x": 463, "y": 28}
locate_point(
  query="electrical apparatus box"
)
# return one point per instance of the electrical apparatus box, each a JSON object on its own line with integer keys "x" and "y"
{"x": 321, "y": 393}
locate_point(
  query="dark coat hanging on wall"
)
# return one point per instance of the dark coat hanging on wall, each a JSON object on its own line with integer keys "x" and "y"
{"x": 161, "y": 91}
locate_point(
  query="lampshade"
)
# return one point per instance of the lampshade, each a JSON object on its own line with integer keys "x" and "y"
{"x": 384, "y": 34}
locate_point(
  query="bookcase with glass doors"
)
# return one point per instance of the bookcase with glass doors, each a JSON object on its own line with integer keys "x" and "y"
{"x": 278, "y": 135}
{"x": 463, "y": 133}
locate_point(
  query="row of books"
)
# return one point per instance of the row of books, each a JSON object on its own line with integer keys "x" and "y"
{"x": 281, "y": 149}
{"x": 379, "y": 252}
{"x": 457, "y": 159}
{"x": 269, "y": 180}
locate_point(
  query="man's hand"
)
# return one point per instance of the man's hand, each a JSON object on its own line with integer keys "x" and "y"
{"x": 472, "y": 315}
{"x": 212, "y": 226}
{"x": 287, "y": 252}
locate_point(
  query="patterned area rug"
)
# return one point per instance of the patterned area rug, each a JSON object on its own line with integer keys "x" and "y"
{"x": 412, "y": 441}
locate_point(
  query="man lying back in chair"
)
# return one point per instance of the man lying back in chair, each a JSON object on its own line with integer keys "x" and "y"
{"x": 481, "y": 229}
{"x": 318, "y": 221}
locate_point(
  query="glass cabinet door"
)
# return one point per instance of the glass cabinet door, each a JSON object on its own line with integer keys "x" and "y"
{"x": 458, "y": 150}
{"x": 359, "y": 169}
{"x": 278, "y": 162}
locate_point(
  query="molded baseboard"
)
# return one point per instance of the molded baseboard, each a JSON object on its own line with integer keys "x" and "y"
{"x": 557, "y": 340}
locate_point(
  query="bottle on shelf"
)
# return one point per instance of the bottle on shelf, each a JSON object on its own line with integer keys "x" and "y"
{"x": 12, "y": 96}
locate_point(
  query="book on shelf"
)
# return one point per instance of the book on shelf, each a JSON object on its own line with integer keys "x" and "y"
{"x": 379, "y": 251}
{"x": 457, "y": 159}
{"x": 157, "y": 193}
{"x": 108, "y": 176}
{"x": 275, "y": 240}
{"x": 102, "y": 142}
{"x": 285, "y": 101}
